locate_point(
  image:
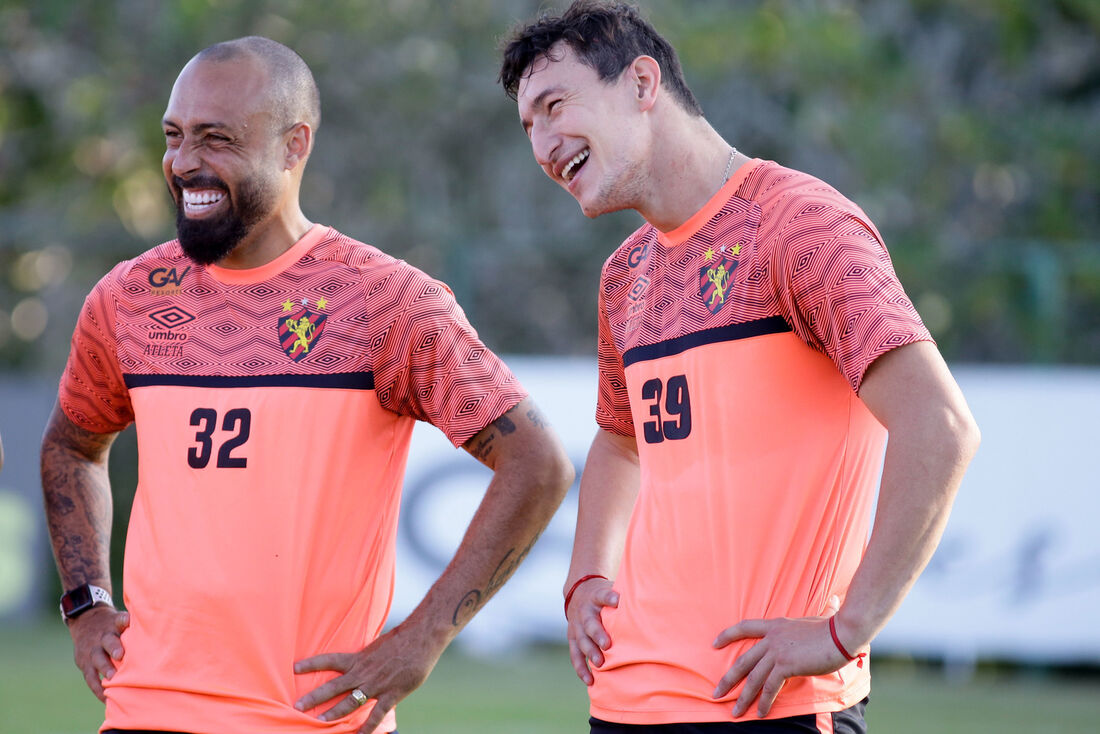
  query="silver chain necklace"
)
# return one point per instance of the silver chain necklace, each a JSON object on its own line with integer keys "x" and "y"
{"x": 729, "y": 164}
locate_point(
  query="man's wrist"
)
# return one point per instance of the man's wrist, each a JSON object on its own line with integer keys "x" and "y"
{"x": 81, "y": 599}
{"x": 578, "y": 582}
{"x": 849, "y": 656}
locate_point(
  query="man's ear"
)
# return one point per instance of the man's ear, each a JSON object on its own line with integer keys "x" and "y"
{"x": 646, "y": 76}
{"x": 298, "y": 143}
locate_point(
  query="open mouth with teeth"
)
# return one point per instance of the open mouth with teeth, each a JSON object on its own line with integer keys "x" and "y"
{"x": 574, "y": 165}
{"x": 200, "y": 201}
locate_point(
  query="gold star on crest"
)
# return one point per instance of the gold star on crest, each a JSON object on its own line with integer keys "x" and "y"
{"x": 709, "y": 254}
{"x": 736, "y": 249}
{"x": 322, "y": 302}
{"x": 287, "y": 305}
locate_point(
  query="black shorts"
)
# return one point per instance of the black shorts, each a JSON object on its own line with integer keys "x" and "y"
{"x": 848, "y": 721}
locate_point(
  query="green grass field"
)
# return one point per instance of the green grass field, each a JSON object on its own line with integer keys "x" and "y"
{"x": 535, "y": 692}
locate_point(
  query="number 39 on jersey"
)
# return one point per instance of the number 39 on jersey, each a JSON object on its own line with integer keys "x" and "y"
{"x": 670, "y": 406}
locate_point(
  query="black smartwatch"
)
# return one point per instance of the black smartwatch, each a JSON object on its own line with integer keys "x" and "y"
{"x": 79, "y": 600}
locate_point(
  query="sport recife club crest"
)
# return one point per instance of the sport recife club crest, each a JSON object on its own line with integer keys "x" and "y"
{"x": 300, "y": 328}
{"x": 714, "y": 277}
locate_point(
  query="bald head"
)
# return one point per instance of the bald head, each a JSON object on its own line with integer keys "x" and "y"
{"x": 292, "y": 92}
{"x": 238, "y": 130}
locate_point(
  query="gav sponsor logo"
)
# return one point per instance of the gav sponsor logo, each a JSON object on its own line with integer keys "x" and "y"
{"x": 166, "y": 281}
{"x": 638, "y": 255}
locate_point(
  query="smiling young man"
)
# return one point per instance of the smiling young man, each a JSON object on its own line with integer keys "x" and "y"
{"x": 755, "y": 346}
{"x": 274, "y": 369}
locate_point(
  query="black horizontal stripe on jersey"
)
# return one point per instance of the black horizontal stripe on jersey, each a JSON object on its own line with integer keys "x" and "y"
{"x": 669, "y": 347}
{"x": 337, "y": 381}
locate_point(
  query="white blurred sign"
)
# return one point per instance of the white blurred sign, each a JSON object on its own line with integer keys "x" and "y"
{"x": 1016, "y": 577}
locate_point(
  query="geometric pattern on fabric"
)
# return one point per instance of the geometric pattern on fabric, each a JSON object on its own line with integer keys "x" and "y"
{"x": 340, "y": 306}
{"x": 783, "y": 244}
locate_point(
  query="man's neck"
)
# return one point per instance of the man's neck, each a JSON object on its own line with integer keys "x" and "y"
{"x": 267, "y": 241}
{"x": 686, "y": 169}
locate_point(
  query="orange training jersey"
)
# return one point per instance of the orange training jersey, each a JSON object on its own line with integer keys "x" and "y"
{"x": 731, "y": 348}
{"x": 273, "y": 409}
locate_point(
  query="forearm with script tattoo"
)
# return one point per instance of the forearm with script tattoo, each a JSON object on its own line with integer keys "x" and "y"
{"x": 474, "y": 598}
{"x": 77, "y": 497}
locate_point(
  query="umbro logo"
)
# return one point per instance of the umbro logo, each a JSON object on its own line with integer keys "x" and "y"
{"x": 171, "y": 317}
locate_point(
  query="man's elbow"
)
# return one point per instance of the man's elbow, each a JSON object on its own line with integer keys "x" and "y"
{"x": 547, "y": 471}
{"x": 959, "y": 435}
{"x": 557, "y": 472}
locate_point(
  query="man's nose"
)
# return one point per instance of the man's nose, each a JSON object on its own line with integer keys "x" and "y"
{"x": 544, "y": 144}
{"x": 185, "y": 160}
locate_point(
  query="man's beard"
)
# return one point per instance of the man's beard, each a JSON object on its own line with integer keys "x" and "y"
{"x": 208, "y": 240}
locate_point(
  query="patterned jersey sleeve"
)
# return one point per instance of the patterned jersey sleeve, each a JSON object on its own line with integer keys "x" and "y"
{"x": 430, "y": 364}
{"x": 839, "y": 288}
{"x": 92, "y": 391}
{"x": 613, "y": 401}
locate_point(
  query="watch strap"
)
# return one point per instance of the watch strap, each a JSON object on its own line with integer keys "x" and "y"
{"x": 100, "y": 595}
{"x": 83, "y": 598}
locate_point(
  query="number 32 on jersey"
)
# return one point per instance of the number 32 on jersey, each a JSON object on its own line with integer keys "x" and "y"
{"x": 236, "y": 426}
{"x": 670, "y": 406}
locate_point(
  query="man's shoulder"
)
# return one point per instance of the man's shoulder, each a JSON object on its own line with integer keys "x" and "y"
{"x": 771, "y": 185}
{"x": 791, "y": 198}
{"x": 387, "y": 279}
{"x": 338, "y": 248}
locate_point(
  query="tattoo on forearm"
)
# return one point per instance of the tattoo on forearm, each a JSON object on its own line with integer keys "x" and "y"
{"x": 483, "y": 448}
{"x": 77, "y": 499}
{"x": 471, "y": 601}
{"x": 467, "y": 607}
{"x": 482, "y": 445}
{"x": 537, "y": 418}
{"x": 505, "y": 425}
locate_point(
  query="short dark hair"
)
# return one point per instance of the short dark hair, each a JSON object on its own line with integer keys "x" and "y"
{"x": 295, "y": 95}
{"x": 605, "y": 36}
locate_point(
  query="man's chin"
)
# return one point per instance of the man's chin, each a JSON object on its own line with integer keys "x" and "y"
{"x": 598, "y": 209}
{"x": 206, "y": 242}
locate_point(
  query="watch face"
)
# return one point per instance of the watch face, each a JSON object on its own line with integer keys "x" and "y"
{"x": 77, "y": 601}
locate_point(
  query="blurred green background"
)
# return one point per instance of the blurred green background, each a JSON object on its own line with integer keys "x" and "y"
{"x": 967, "y": 130}
{"x": 534, "y": 691}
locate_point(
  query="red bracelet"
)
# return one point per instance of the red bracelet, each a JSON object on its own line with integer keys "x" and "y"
{"x": 578, "y": 582}
{"x": 836, "y": 641}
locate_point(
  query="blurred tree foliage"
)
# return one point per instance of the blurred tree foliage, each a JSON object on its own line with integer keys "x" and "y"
{"x": 970, "y": 132}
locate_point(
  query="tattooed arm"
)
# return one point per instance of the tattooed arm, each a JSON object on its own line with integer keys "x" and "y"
{"x": 77, "y": 494}
{"x": 531, "y": 474}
